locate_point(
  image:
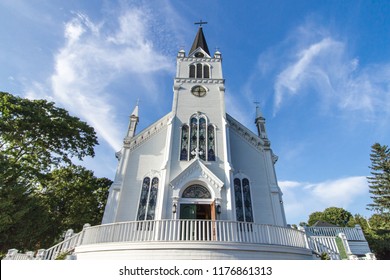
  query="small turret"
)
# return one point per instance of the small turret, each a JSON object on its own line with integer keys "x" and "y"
{"x": 133, "y": 122}
{"x": 260, "y": 124}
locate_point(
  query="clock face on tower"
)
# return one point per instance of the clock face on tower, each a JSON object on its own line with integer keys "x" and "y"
{"x": 198, "y": 91}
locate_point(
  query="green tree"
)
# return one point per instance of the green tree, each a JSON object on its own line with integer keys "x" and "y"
{"x": 379, "y": 181}
{"x": 73, "y": 196}
{"x": 314, "y": 217}
{"x": 36, "y": 136}
{"x": 37, "y": 144}
{"x": 379, "y": 184}
{"x": 334, "y": 215}
{"x": 377, "y": 234}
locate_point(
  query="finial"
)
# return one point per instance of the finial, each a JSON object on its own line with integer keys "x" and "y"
{"x": 135, "y": 111}
{"x": 200, "y": 23}
{"x": 258, "y": 112}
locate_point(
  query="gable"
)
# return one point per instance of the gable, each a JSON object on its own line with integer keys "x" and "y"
{"x": 148, "y": 133}
{"x": 246, "y": 134}
{"x": 196, "y": 171}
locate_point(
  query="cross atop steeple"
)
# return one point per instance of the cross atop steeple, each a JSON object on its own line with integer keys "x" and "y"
{"x": 200, "y": 40}
{"x": 200, "y": 23}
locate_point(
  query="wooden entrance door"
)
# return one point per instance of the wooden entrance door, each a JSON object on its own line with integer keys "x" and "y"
{"x": 197, "y": 221}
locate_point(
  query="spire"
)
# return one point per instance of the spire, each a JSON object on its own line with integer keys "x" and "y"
{"x": 260, "y": 123}
{"x": 200, "y": 40}
{"x": 133, "y": 122}
{"x": 258, "y": 112}
{"x": 135, "y": 111}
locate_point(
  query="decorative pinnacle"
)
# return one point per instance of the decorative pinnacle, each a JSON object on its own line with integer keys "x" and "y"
{"x": 258, "y": 111}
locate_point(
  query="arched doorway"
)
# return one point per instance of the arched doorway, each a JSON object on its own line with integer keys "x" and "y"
{"x": 197, "y": 213}
{"x": 197, "y": 204}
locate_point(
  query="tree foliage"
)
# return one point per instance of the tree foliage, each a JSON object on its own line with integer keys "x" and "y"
{"x": 36, "y": 136}
{"x": 42, "y": 193}
{"x": 379, "y": 181}
{"x": 73, "y": 196}
{"x": 333, "y": 215}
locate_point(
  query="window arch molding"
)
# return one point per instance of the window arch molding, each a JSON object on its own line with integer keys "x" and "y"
{"x": 198, "y": 139}
{"x": 196, "y": 190}
{"x": 199, "y": 70}
{"x": 197, "y": 182}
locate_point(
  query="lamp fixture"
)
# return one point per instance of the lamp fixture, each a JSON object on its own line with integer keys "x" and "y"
{"x": 174, "y": 208}
{"x": 219, "y": 210}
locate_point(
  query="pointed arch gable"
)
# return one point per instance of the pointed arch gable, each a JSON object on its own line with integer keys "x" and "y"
{"x": 196, "y": 173}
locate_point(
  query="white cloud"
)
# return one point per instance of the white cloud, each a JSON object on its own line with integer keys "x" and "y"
{"x": 303, "y": 198}
{"x": 92, "y": 59}
{"x": 314, "y": 63}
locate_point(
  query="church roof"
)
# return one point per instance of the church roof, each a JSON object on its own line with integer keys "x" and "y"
{"x": 135, "y": 111}
{"x": 200, "y": 41}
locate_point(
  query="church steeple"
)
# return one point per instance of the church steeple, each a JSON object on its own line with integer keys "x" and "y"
{"x": 200, "y": 40}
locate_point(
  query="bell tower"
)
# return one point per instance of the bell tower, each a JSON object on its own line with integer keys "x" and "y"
{"x": 198, "y": 110}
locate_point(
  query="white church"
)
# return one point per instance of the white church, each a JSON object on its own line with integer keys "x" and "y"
{"x": 198, "y": 184}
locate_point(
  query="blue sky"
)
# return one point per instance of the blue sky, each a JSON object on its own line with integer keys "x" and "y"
{"x": 320, "y": 70}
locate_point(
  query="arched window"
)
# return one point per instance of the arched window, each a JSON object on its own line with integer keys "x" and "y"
{"x": 192, "y": 71}
{"x": 194, "y": 136}
{"x": 206, "y": 72}
{"x": 199, "y": 70}
{"x": 243, "y": 200}
{"x": 198, "y": 139}
{"x": 202, "y": 139}
{"x": 196, "y": 191}
{"x": 184, "y": 143}
{"x": 148, "y": 199}
{"x": 238, "y": 196}
{"x": 210, "y": 143}
{"x": 246, "y": 193}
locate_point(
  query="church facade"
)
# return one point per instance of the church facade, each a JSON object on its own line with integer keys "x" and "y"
{"x": 197, "y": 162}
{"x": 197, "y": 177}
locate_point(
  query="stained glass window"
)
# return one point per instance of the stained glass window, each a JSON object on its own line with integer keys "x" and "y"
{"x": 148, "y": 199}
{"x": 202, "y": 138}
{"x": 196, "y": 191}
{"x": 210, "y": 143}
{"x": 194, "y": 137}
{"x": 198, "y": 139}
{"x": 184, "y": 143}
{"x": 243, "y": 200}
{"x": 238, "y": 196}
{"x": 247, "y": 200}
{"x": 152, "y": 199}
{"x": 143, "y": 199}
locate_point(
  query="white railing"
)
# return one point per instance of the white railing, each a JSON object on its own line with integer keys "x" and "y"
{"x": 171, "y": 231}
{"x": 194, "y": 230}
{"x": 325, "y": 244}
{"x": 63, "y": 247}
{"x": 354, "y": 233}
